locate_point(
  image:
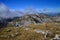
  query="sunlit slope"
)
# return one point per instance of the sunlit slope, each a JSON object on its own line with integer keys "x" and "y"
{"x": 29, "y": 32}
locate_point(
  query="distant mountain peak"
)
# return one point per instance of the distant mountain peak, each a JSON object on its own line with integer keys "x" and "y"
{"x": 30, "y": 10}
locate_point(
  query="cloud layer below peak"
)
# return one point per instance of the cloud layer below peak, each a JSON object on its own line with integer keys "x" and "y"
{"x": 5, "y": 12}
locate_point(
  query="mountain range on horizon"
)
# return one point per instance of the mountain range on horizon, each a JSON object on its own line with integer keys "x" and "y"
{"x": 5, "y": 12}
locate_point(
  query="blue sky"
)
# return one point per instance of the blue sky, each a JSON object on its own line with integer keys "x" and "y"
{"x": 52, "y": 5}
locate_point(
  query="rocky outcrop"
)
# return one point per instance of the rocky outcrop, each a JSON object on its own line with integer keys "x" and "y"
{"x": 31, "y": 19}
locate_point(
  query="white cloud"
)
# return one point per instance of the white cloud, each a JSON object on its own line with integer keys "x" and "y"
{"x": 6, "y": 12}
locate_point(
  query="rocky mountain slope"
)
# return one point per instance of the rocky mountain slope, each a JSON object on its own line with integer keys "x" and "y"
{"x": 30, "y": 19}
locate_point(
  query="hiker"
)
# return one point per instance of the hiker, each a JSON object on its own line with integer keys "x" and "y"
{"x": 46, "y": 25}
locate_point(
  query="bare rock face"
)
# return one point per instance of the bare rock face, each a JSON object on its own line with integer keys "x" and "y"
{"x": 56, "y": 18}
{"x": 31, "y": 19}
